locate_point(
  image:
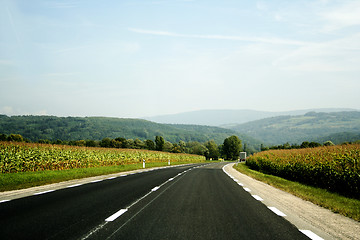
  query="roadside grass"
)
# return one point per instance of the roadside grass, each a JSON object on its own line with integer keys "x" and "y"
{"x": 20, "y": 180}
{"x": 348, "y": 207}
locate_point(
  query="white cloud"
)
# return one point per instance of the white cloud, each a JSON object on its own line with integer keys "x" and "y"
{"x": 271, "y": 40}
{"x": 332, "y": 56}
{"x": 343, "y": 16}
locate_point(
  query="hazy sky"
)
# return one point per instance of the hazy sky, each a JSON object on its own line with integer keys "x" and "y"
{"x": 132, "y": 58}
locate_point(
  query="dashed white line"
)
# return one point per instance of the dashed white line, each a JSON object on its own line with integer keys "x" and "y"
{"x": 48, "y": 191}
{"x": 75, "y": 185}
{"x": 116, "y": 215}
{"x": 311, "y": 235}
{"x": 240, "y": 184}
{"x": 155, "y": 188}
{"x": 277, "y": 211}
{"x": 95, "y": 181}
{"x": 247, "y": 189}
{"x": 170, "y": 179}
{"x": 257, "y": 197}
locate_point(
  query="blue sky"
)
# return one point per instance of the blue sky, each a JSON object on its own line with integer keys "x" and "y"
{"x": 145, "y": 58}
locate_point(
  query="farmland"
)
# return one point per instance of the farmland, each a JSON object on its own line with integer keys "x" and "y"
{"x": 335, "y": 168}
{"x": 25, "y": 157}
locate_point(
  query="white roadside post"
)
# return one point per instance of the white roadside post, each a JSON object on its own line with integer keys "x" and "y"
{"x": 143, "y": 163}
{"x": 169, "y": 162}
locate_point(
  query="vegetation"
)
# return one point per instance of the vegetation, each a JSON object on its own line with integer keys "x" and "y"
{"x": 335, "y": 168}
{"x": 348, "y": 207}
{"x": 25, "y": 157}
{"x": 337, "y": 127}
{"x": 232, "y": 148}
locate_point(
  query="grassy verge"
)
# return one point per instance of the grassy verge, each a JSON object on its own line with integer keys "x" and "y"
{"x": 13, "y": 181}
{"x": 348, "y": 207}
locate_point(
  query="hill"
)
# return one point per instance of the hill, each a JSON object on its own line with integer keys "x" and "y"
{"x": 229, "y": 117}
{"x": 97, "y": 128}
{"x": 337, "y": 127}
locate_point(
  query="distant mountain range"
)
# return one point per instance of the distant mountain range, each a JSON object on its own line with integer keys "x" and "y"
{"x": 253, "y": 127}
{"x": 228, "y": 118}
{"x": 313, "y": 126}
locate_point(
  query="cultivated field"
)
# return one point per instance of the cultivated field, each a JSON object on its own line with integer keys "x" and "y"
{"x": 336, "y": 168}
{"x": 30, "y": 157}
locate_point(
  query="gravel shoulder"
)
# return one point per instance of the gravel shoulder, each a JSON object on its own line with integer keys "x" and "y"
{"x": 301, "y": 213}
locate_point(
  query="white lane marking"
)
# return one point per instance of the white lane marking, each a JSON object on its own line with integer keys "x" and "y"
{"x": 99, "y": 180}
{"x": 155, "y": 188}
{"x": 311, "y": 235}
{"x": 116, "y": 215}
{"x": 48, "y": 191}
{"x": 240, "y": 184}
{"x": 277, "y": 211}
{"x": 236, "y": 180}
{"x": 257, "y": 197}
{"x": 110, "y": 178}
{"x": 2, "y": 201}
{"x": 247, "y": 189}
{"x": 75, "y": 185}
{"x": 170, "y": 179}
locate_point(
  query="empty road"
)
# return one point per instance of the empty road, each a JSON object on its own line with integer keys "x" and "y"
{"x": 186, "y": 202}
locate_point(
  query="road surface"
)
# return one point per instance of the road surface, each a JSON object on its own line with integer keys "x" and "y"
{"x": 186, "y": 202}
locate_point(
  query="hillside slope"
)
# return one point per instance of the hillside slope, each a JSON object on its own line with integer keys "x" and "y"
{"x": 309, "y": 127}
{"x": 97, "y": 128}
{"x": 224, "y": 117}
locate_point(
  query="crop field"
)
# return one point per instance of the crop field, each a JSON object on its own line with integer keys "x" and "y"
{"x": 29, "y": 157}
{"x": 335, "y": 168}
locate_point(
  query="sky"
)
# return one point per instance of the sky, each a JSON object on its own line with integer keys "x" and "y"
{"x": 141, "y": 58}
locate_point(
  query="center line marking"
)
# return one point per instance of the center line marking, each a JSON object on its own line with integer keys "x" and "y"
{"x": 116, "y": 215}
{"x": 277, "y": 211}
{"x": 155, "y": 188}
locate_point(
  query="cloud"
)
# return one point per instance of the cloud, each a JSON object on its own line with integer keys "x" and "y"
{"x": 270, "y": 40}
{"x": 343, "y": 16}
{"x": 332, "y": 56}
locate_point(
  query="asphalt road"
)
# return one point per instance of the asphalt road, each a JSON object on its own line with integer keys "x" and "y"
{"x": 187, "y": 202}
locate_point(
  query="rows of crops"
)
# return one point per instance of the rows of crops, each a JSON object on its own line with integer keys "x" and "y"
{"x": 24, "y": 157}
{"x": 336, "y": 168}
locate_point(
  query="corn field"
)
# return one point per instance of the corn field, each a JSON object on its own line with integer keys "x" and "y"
{"x": 335, "y": 168}
{"x": 24, "y": 157}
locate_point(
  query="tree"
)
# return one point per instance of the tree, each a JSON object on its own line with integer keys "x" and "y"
{"x": 232, "y": 147}
{"x": 328, "y": 143}
{"x": 150, "y": 145}
{"x": 159, "y": 143}
{"x": 212, "y": 150}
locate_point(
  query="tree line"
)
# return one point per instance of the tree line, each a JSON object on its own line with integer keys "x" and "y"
{"x": 229, "y": 150}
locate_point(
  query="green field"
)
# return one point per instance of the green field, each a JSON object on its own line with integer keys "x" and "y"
{"x": 27, "y": 164}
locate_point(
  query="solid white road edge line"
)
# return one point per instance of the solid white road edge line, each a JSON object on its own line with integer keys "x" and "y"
{"x": 277, "y": 211}
{"x": 116, "y": 215}
{"x": 311, "y": 235}
{"x": 2, "y": 201}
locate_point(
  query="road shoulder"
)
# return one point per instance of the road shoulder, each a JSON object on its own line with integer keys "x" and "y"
{"x": 301, "y": 213}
